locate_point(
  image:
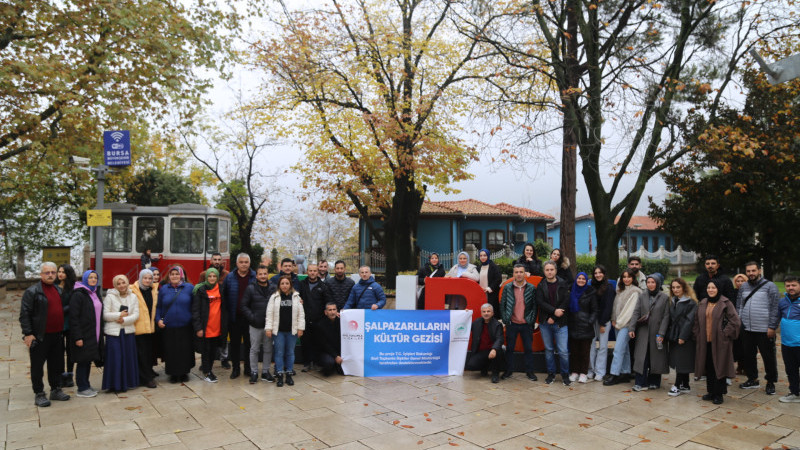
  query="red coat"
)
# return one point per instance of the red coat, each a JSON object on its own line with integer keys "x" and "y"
{"x": 721, "y": 338}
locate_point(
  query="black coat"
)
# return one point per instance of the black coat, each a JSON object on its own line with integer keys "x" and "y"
{"x": 83, "y": 326}
{"x": 548, "y": 308}
{"x": 329, "y": 340}
{"x": 581, "y": 323}
{"x": 340, "y": 290}
{"x": 254, "y": 304}
{"x": 426, "y": 271}
{"x": 534, "y": 267}
{"x": 33, "y": 311}
{"x": 314, "y": 305}
{"x": 605, "y": 303}
{"x": 681, "y": 321}
{"x": 724, "y": 285}
{"x": 495, "y": 334}
{"x": 201, "y": 309}
{"x": 495, "y": 277}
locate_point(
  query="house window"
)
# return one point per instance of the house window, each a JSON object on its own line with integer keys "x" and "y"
{"x": 374, "y": 240}
{"x": 633, "y": 244}
{"x": 472, "y": 237}
{"x": 668, "y": 244}
{"x": 550, "y": 241}
{"x": 540, "y": 237}
{"x": 495, "y": 239}
{"x": 644, "y": 242}
{"x": 655, "y": 243}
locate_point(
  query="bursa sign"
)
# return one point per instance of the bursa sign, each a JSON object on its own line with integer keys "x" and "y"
{"x": 117, "y": 148}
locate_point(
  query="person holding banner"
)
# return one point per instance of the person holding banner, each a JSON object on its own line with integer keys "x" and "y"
{"x": 285, "y": 321}
{"x": 518, "y": 308}
{"x": 367, "y": 294}
{"x": 487, "y": 344}
{"x": 329, "y": 342}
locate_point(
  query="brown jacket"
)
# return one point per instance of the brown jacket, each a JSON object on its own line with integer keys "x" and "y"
{"x": 145, "y": 324}
{"x": 721, "y": 338}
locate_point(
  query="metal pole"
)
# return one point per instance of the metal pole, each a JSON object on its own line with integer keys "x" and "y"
{"x": 100, "y": 172}
{"x": 628, "y": 241}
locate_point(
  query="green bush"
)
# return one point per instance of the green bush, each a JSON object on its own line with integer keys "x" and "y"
{"x": 543, "y": 249}
{"x": 586, "y": 263}
{"x": 506, "y": 265}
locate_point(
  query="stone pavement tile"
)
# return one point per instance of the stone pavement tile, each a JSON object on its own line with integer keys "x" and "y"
{"x": 77, "y": 412}
{"x": 315, "y": 399}
{"x": 564, "y": 436}
{"x": 750, "y": 419}
{"x": 271, "y": 434}
{"x": 577, "y": 420}
{"x": 167, "y": 424}
{"x": 379, "y": 426}
{"x": 588, "y": 402}
{"x": 412, "y": 406}
{"x": 127, "y": 409}
{"x": 245, "y": 445}
{"x": 208, "y": 437}
{"x": 698, "y": 425}
{"x": 614, "y": 425}
{"x": 792, "y": 440}
{"x": 732, "y": 437}
{"x": 22, "y": 437}
{"x": 175, "y": 446}
{"x": 163, "y": 439}
{"x": 689, "y": 445}
{"x": 334, "y": 429}
{"x": 787, "y": 421}
{"x": 477, "y": 416}
{"x": 425, "y": 424}
{"x": 776, "y": 406}
{"x": 527, "y": 408}
{"x": 208, "y": 414}
{"x": 492, "y": 430}
{"x": 658, "y": 432}
{"x": 458, "y": 402}
{"x": 646, "y": 444}
{"x": 97, "y": 427}
{"x": 395, "y": 392}
{"x": 631, "y": 413}
{"x": 683, "y": 407}
{"x": 612, "y": 435}
{"x": 121, "y": 440}
{"x": 446, "y": 440}
{"x": 351, "y": 446}
{"x": 399, "y": 440}
{"x": 344, "y": 388}
{"x": 522, "y": 442}
{"x": 741, "y": 404}
{"x": 21, "y": 415}
{"x": 167, "y": 408}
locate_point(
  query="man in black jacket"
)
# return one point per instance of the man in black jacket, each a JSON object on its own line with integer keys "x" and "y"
{"x": 329, "y": 341}
{"x": 340, "y": 284}
{"x": 319, "y": 295}
{"x": 487, "y": 344}
{"x": 713, "y": 273}
{"x": 254, "y": 309}
{"x": 42, "y": 319}
{"x": 552, "y": 298}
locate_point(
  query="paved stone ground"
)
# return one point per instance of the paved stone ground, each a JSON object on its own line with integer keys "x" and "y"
{"x": 382, "y": 413}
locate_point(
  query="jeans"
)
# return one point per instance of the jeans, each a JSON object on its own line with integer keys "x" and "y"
{"x": 82, "y": 370}
{"x": 598, "y": 356}
{"x": 284, "y": 351}
{"x": 621, "y": 362}
{"x": 260, "y": 343}
{"x": 553, "y": 334}
{"x": 526, "y": 333}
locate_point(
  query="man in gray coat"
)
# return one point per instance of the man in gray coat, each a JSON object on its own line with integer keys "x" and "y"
{"x": 758, "y": 307}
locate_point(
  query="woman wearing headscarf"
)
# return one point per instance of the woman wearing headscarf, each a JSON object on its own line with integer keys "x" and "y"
{"x": 147, "y": 294}
{"x": 582, "y": 319}
{"x": 604, "y": 291}
{"x": 651, "y": 322}
{"x": 174, "y": 318}
{"x": 738, "y": 280}
{"x": 120, "y": 313}
{"x": 533, "y": 267}
{"x": 209, "y": 320}
{"x": 66, "y": 279}
{"x": 433, "y": 269}
{"x": 464, "y": 269}
{"x": 716, "y": 326}
{"x": 679, "y": 337}
{"x": 562, "y": 266}
{"x": 85, "y": 317}
{"x": 624, "y": 305}
{"x": 490, "y": 279}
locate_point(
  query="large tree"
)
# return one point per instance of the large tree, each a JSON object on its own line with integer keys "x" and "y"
{"x": 375, "y": 91}
{"x": 624, "y": 76}
{"x": 743, "y": 172}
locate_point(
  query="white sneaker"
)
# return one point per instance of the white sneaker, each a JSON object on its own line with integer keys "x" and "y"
{"x": 728, "y": 381}
{"x": 590, "y": 374}
{"x": 86, "y": 393}
{"x": 791, "y": 398}
{"x": 573, "y": 376}
{"x": 583, "y": 378}
{"x": 598, "y": 377}
{"x": 638, "y": 388}
{"x": 674, "y": 391}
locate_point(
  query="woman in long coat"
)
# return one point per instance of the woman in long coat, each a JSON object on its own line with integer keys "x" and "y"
{"x": 174, "y": 317}
{"x": 582, "y": 320}
{"x": 490, "y": 279}
{"x": 650, "y": 352}
{"x": 85, "y": 331}
{"x": 680, "y": 339}
{"x": 716, "y": 326}
{"x": 146, "y": 291}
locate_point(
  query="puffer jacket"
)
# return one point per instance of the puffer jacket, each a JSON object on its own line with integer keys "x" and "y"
{"x": 365, "y": 294}
{"x": 111, "y": 312}
{"x": 761, "y": 310}
{"x": 508, "y": 300}
{"x": 340, "y": 290}
{"x": 273, "y": 316}
{"x": 581, "y": 323}
{"x": 254, "y": 303}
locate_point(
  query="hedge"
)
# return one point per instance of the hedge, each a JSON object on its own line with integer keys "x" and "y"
{"x": 586, "y": 264}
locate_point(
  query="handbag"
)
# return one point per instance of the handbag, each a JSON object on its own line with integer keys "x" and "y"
{"x": 645, "y": 318}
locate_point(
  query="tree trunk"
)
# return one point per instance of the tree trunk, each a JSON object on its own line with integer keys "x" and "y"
{"x": 400, "y": 229}
{"x": 607, "y": 248}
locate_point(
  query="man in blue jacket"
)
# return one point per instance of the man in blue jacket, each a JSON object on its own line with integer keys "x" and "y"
{"x": 232, "y": 291}
{"x": 790, "y": 337}
{"x": 366, "y": 294}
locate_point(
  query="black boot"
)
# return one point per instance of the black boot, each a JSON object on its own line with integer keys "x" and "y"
{"x": 279, "y": 379}
{"x": 66, "y": 379}
{"x": 289, "y": 379}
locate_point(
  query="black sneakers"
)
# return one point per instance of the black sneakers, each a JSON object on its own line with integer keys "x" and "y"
{"x": 550, "y": 378}
{"x": 254, "y": 378}
{"x": 289, "y": 379}
{"x": 749, "y": 384}
{"x": 58, "y": 395}
{"x": 266, "y": 376}
{"x": 770, "y": 389}
{"x": 531, "y": 376}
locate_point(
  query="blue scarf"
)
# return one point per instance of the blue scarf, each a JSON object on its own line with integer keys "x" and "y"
{"x": 488, "y": 256}
{"x": 577, "y": 291}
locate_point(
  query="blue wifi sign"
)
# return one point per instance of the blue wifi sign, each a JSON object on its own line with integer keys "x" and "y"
{"x": 117, "y": 148}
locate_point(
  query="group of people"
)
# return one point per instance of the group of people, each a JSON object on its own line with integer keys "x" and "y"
{"x": 702, "y": 329}
{"x": 126, "y": 330}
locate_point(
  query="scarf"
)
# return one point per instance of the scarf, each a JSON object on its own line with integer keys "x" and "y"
{"x": 461, "y": 269}
{"x": 121, "y": 277}
{"x": 205, "y": 283}
{"x": 436, "y": 267}
{"x": 98, "y": 305}
{"x": 488, "y": 259}
{"x": 85, "y": 280}
{"x": 577, "y": 291}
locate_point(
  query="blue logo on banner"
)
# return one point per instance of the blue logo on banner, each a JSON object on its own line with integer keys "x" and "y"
{"x": 117, "y": 148}
{"x": 406, "y": 342}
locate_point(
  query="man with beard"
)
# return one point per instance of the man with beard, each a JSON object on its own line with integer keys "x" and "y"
{"x": 758, "y": 308}
{"x": 329, "y": 341}
{"x": 713, "y": 273}
{"x": 319, "y": 295}
{"x": 216, "y": 263}
{"x": 340, "y": 284}
{"x": 635, "y": 267}
{"x": 323, "y": 270}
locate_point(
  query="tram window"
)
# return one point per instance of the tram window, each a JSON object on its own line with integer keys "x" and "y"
{"x": 186, "y": 235}
{"x": 211, "y": 234}
{"x": 223, "y": 236}
{"x": 117, "y": 237}
{"x": 150, "y": 234}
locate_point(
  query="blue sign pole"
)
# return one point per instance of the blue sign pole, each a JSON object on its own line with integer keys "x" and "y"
{"x": 117, "y": 148}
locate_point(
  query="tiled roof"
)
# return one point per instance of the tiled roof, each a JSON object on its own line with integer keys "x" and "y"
{"x": 472, "y": 207}
{"x": 643, "y": 223}
{"x": 524, "y": 212}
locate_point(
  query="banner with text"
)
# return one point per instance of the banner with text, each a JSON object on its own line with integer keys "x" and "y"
{"x": 397, "y": 343}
